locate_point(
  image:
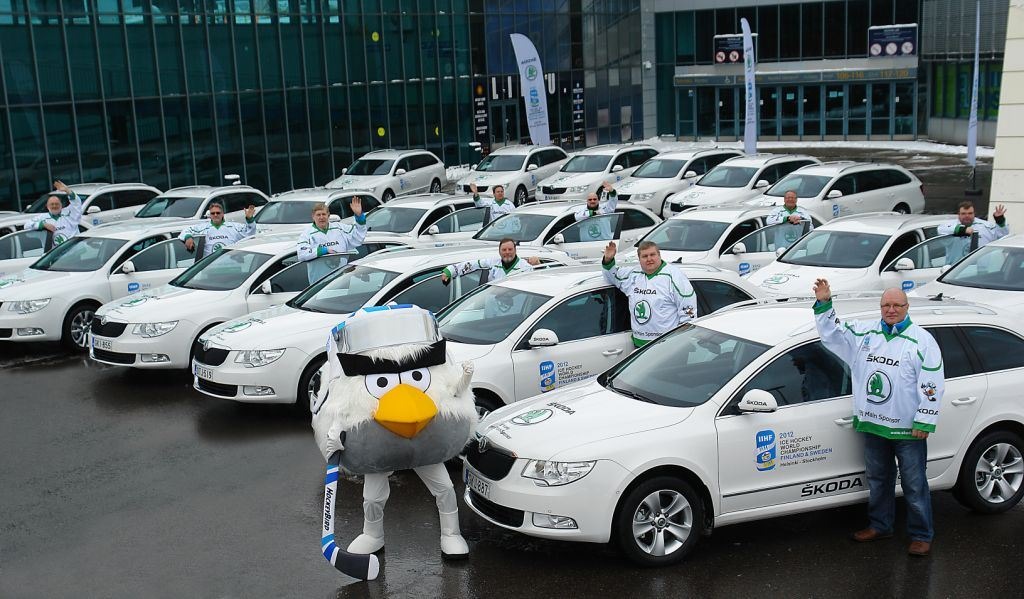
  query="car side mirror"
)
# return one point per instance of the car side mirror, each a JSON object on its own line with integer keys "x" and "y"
{"x": 265, "y": 287}
{"x": 472, "y": 167}
{"x": 779, "y": 251}
{"x": 758, "y": 400}
{"x": 616, "y": 168}
{"x": 690, "y": 174}
{"x": 531, "y": 167}
{"x": 761, "y": 183}
{"x": 344, "y": 170}
{"x": 433, "y": 230}
{"x": 128, "y": 267}
{"x": 835, "y": 193}
{"x": 400, "y": 172}
{"x": 93, "y": 209}
{"x": 904, "y": 264}
{"x": 334, "y": 218}
{"x": 945, "y": 268}
{"x": 543, "y": 338}
{"x": 739, "y": 248}
{"x": 558, "y": 239}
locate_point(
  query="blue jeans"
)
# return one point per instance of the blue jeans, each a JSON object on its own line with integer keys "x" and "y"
{"x": 880, "y": 457}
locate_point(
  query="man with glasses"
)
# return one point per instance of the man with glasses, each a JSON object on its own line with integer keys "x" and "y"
{"x": 217, "y": 232}
{"x": 898, "y": 381}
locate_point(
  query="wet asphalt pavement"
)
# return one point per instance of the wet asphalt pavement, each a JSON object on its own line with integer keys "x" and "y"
{"x": 116, "y": 483}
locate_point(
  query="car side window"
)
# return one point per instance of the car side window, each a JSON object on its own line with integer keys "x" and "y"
{"x": 403, "y": 164}
{"x": 955, "y": 360}
{"x": 431, "y": 294}
{"x": 434, "y": 216}
{"x": 590, "y": 314}
{"x": 634, "y": 219}
{"x": 162, "y": 256}
{"x": 718, "y": 294}
{"x": 845, "y": 184}
{"x": 622, "y": 160}
{"x": 535, "y": 158}
{"x": 716, "y": 159}
{"x": 869, "y": 181}
{"x": 996, "y": 348}
{"x": 894, "y": 177}
{"x": 292, "y": 279}
{"x": 697, "y": 165}
{"x": 769, "y": 174}
{"x": 136, "y": 248}
{"x": 930, "y": 254}
{"x": 554, "y": 155}
{"x": 805, "y": 373}
{"x": 595, "y": 228}
{"x": 902, "y": 244}
{"x": 560, "y": 225}
{"x": 788, "y": 167}
{"x": 739, "y": 232}
{"x": 105, "y": 201}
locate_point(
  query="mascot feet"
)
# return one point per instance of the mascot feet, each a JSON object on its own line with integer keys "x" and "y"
{"x": 372, "y": 539}
{"x": 453, "y": 546}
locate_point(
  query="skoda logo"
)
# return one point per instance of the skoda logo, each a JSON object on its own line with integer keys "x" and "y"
{"x": 241, "y": 326}
{"x": 532, "y": 417}
{"x": 205, "y": 343}
{"x": 531, "y": 72}
{"x": 483, "y": 444}
{"x": 103, "y": 320}
{"x": 642, "y": 312}
{"x": 776, "y": 279}
{"x": 879, "y": 387}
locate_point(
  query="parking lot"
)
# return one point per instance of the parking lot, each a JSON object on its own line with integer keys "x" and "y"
{"x": 126, "y": 484}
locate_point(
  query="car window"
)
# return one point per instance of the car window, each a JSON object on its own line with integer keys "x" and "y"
{"x": 23, "y": 244}
{"x": 135, "y": 248}
{"x": 682, "y": 235}
{"x": 435, "y": 215}
{"x": 595, "y": 228}
{"x": 554, "y": 155}
{"x": 489, "y": 314}
{"x": 583, "y": 316}
{"x": 431, "y": 293}
{"x": 769, "y": 174}
{"x": 132, "y": 197}
{"x": 105, "y": 201}
{"x": 894, "y": 177}
{"x": 955, "y": 359}
{"x": 403, "y": 164}
{"x": 718, "y": 294}
{"x": 634, "y": 219}
{"x": 835, "y": 249}
{"x": 788, "y": 167}
{"x": 933, "y": 253}
{"x": 869, "y": 180}
{"x": 292, "y": 279}
{"x": 254, "y": 199}
{"x": 163, "y": 255}
{"x": 697, "y": 165}
{"x": 535, "y": 158}
{"x": 991, "y": 267}
{"x": 902, "y": 244}
{"x": 805, "y": 373}
{"x": 717, "y": 159}
{"x": 622, "y": 160}
{"x": 728, "y": 176}
{"x": 846, "y": 184}
{"x": 230, "y": 201}
{"x": 761, "y": 240}
{"x": 462, "y": 221}
{"x": 996, "y": 349}
{"x": 344, "y": 290}
{"x": 805, "y": 186}
{"x": 739, "y": 232}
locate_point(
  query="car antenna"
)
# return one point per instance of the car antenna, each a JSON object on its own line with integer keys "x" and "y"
{"x": 936, "y": 298}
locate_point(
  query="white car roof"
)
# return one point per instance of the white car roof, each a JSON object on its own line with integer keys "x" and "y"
{"x": 567, "y": 280}
{"x": 760, "y": 160}
{"x": 315, "y": 194}
{"x": 426, "y": 200}
{"x": 550, "y": 208}
{"x": 274, "y": 244}
{"x": 415, "y": 258}
{"x": 521, "y": 149}
{"x": 835, "y": 167}
{"x": 884, "y": 223}
{"x": 191, "y": 191}
{"x": 141, "y": 227}
{"x": 394, "y": 154}
{"x": 687, "y": 154}
{"x": 94, "y": 187}
{"x": 610, "y": 149}
{"x": 724, "y": 214}
{"x": 1014, "y": 241}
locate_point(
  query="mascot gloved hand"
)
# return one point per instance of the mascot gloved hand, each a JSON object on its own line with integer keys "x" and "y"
{"x": 390, "y": 400}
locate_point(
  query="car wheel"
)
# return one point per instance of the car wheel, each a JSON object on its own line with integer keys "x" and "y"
{"x": 75, "y": 332}
{"x": 992, "y": 474}
{"x": 387, "y": 196}
{"x": 485, "y": 404}
{"x": 435, "y": 186}
{"x": 658, "y": 522}
{"x": 309, "y": 384}
{"x": 520, "y": 197}
{"x": 901, "y": 208}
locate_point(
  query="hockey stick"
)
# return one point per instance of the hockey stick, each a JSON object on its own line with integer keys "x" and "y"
{"x": 363, "y": 567}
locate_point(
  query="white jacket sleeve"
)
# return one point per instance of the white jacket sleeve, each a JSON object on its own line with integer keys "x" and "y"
{"x": 357, "y": 235}
{"x": 775, "y": 217}
{"x": 74, "y": 207}
{"x": 837, "y": 337}
{"x": 249, "y": 228}
{"x": 189, "y": 232}
{"x": 686, "y": 300}
{"x": 610, "y": 204}
{"x": 480, "y": 202}
{"x": 305, "y": 250}
{"x": 464, "y": 268}
{"x": 931, "y": 384}
{"x": 617, "y": 276}
{"x": 948, "y": 228}
{"x": 581, "y": 214}
{"x": 36, "y": 223}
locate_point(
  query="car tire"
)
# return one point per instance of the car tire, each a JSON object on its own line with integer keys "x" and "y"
{"x": 485, "y": 404}
{"x": 75, "y": 330}
{"x": 435, "y": 186}
{"x": 310, "y": 378}
{"x": 991, "y": 477}
{"x": 901, "y": 208}
{"x": 387, "y": 196}
{"x": 653, "y": 516}
{"x": 521, "y": 196}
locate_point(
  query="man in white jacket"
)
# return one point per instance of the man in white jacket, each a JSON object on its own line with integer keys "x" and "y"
{"x": 965, "y": 225}
{"x": 498, "y": 205}
{"x": 660, "y": 296}
{"x": 595, "y": 207}
{"x": 324, "y": 238}
{"x": 219, "y": 233}
{"x": 62, "y": 222}
{"x": 898, "y": 381}
{"x": 793, "y": 217}
{"x": 507, "y": 263}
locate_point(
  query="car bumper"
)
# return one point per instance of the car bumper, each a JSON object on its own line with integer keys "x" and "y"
{"x": 44, "y": 325}
{"x": 163, "y": 352}
{"x": 517, "y": 503}
{"x": 274, "y": 383}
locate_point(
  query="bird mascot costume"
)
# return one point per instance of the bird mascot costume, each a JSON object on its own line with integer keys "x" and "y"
{"x": 390, "y": 400}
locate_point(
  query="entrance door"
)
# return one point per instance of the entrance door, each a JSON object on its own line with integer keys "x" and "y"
{"x": 686, "y": 111}
{"x": 768, "y": 118}
{"x": 881, "y": 111}
{"x": 504, "y": 123}
{"x": 727, "y": 113}
{"x": 835, "y": 111}
{"x": 903, "y": 110}
{"x": 812, "y": 112}
{"x": 857, "y": 110}
{"x": 707, "y": 113}
{"x": 790, "y": 104}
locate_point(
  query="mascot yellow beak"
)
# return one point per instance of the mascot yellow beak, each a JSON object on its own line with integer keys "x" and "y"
{"x": 405, "y": 411}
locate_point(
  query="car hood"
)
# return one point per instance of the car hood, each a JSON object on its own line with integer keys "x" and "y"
{"x": 572, "y": 179}
{"x": 274, "y": 327}
{"x": 368, "y": 182}
{"x": 296, "y": 228}
{"x": 545, "y": 426}
{"x": 488, "y": 177}
{"x": 684, "y": 257}
{"x": 634, "y": 185}
{"x": 16, "y": 219}
{"x": 712, "y": 196}
{"x": 163, "y": 303}
{"x": 1000, "y": 298}
{"x": 12, "y": 267}
{"x": 465, "y": 352}
{"x": 38, "y": 284}
{"x": 792, "y": 280}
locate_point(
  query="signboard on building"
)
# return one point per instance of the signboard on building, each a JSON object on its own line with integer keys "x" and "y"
{"x": 481, "y": 126}
{"x": 892, "y": 40}
{"x": 729, "y": 48}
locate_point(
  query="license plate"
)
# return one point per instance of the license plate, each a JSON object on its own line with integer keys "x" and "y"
{"x": 482, "y": 487}
{"x": 201, "y": 372}
{"x": 101, "y": 343}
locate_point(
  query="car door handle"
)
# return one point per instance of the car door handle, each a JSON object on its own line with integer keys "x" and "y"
{"x": 611, "y": 352}
{"x": 848, "y": 421}
{"x": 964, "y": 401}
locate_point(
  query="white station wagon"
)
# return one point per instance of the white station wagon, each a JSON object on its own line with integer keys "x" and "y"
{"x": 389, "y": 173}
{"x": 588, "y": 169}
{"x": 993, "y": 275}
{"x": 668, "y": 444}
{"x": 516, "y": 168}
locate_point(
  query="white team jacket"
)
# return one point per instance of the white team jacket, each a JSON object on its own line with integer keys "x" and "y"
{"x": 658, "y": 302}
{"x": 218, "y": 237}
{"x": 787, "y": 234}
{"x": 66, "y": 224}
{"x": 494, "y": 265}
{"x": 497, "y": 208}
{"x": 960, "y": 245}
{"x": 606, "y": 207}
{"x": 338, "y": 238}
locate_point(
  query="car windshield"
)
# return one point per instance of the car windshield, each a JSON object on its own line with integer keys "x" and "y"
{"x": 687, "y": 235}
{"x": 590, "y": 163}
{"x": 518, "y": 227}
{"x": 222, "y": 270}
{"x": 488, "y": 315}
{"x": 835, "y": 249}
{"x": 501, "y": 162}
{"x": 728, "y": 176}
{"x": 165, "y": 206}
{"x": 682, "y": 369}
{"x": 80, "y": 254}
{"x": 992, "y": 267}
{"x": 39, "y": 206}
{"x": 369, "y": 166}
{"x": 659, "y": 168}
{"x": 394, "y": 220}
{"x": 344, "y": 290}
{"x": 286, "y": 213}
{"x": 805, "y": 186}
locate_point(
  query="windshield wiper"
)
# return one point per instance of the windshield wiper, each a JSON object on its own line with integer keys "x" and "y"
{"x": 630, "y": 394}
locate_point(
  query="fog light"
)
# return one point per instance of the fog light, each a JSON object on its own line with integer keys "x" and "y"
{"x": 257, "y": 390}
{"x": 29, "y": 332}
{"x": 152, "y": 358}
{"x": 551, "y": 521}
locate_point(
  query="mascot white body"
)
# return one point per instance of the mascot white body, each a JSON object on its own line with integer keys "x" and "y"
{"x": 391, "y": 400}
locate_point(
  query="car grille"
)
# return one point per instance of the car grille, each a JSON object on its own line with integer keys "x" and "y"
{"x": 113, "y": 357}
{"x": 466, "y": 188}
{"x": 493, "y": 463}
{"x": 217, "y": 388}
{"x": 211, "y": 357}
{"x": 624, "y": 197}
{"x": 6, "y": 333}
{"x": 110, "y": 329}
{"x": 553, "y": 190}
{"x": 680, "y": 207}
{"x": 498, "y": 513}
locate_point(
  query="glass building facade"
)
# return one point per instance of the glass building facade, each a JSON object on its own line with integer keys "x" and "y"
{"x": 287, "y": 93}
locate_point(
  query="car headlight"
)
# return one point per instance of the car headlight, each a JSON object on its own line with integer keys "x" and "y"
{"x": 28, "y": 306}
{"x": 578, "y": 188}
{"x": 642, "y": 197}
{"x": 154, "y": 329}
{"x": 553, "y": 474}
{"x": 254, "y": 358}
